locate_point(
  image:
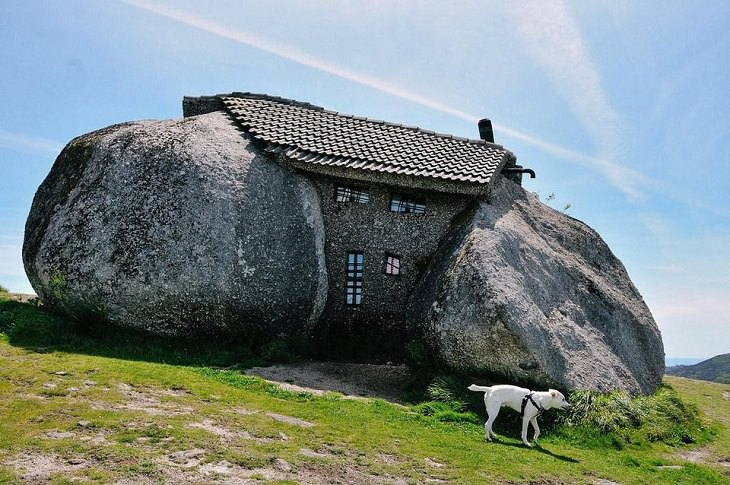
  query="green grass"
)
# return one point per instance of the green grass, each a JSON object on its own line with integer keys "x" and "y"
{"x": 133, "y": 403}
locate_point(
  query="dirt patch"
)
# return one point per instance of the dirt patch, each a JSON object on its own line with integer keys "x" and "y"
{"x": 703, "y": 456}
{"x": 726, "y": 395}
{"x": 189, "y": 466}
{"x": 315, "y": 454}
{"x": 59, "y": 435}
{"x": 226, "y": 434}
{"x": 290, "y": 420}
{"x": 282, "y": 418}
{"x": 356, "y": 380}
{"x": 695, "y": 456}
{"x": 36, "y": 467}
{"x": 433, "y": 463}
{"x": 211, "y": 427}
{"x": 388, "y": 459}
{"x": 146, "y": 400}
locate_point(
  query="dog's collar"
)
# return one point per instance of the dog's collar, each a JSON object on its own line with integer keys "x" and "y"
{"x": 528, "y": 398}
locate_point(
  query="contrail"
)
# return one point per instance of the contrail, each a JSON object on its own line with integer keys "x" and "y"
{"x": 29, "y": 144}
{"x": 625, "y": 179}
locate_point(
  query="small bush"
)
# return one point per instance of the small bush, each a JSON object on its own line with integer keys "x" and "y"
{"x": 661, "y": 417}
{"x": 447, "y": 403}
{"x": 446, "y": 389}
{"x": 606, "y": 412}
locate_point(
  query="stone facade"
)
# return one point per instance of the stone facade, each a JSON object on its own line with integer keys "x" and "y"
{"x": 373, "y": 229}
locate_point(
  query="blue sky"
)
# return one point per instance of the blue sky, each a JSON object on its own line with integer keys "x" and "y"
{"x": 622, "y": 108}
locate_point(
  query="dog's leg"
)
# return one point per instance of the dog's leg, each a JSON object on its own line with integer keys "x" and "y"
{"x": 525, "y": 425}
{"x": 536, "y": 428}
{"x": 492, "y": 415}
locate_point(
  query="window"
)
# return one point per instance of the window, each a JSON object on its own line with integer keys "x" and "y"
{"x": 407, "y": 205}
{"x": 353, "y": 281}
{"x": 350, "y": 194}
{"x": 392, "y": 264}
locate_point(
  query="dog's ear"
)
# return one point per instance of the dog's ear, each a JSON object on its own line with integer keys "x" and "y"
{"x": 554, "y": 393}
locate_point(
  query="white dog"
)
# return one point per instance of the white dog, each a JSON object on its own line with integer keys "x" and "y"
{"x": 528, "y": 403}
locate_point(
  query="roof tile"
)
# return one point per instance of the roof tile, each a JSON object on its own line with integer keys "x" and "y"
{"x": 314, "y": 135}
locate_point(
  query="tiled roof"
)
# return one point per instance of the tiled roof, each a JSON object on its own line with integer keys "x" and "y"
{"x": 311, "y": 134}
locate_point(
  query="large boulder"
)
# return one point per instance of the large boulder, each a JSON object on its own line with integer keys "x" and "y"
{"x": 527, "y": 293}
{"x": 177, "y": 227}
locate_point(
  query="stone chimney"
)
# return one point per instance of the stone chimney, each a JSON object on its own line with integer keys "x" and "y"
{"x": 485, "y": 130}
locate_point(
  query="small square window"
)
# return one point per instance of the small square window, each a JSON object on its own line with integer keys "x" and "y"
{"x": 351, "y": 194}
{"x": 392, "y": 264}
{"x": 406, "y": 204}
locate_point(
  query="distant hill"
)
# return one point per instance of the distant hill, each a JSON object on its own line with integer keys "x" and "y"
{"x": 716, "y": 369}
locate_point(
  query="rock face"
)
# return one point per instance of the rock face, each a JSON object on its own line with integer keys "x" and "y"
{"x": 531, "y": 294}
{"x": 177, "y": 227}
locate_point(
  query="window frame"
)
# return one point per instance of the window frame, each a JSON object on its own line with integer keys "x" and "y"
{"x": 387, "y": 263}
{"x": 407, "y": 204}
{"x": 354, "y": 276}
{"x": 349, "y": 194}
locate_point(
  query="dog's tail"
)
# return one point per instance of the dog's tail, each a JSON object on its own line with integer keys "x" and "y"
{"x": 476, "y": 388}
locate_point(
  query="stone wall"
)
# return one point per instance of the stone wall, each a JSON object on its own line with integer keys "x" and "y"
{"x": 376, "y": 231}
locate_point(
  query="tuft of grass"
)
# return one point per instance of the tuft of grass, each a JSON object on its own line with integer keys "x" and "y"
{"x": 447, "y": 412}
{"x": 446, "y": 389}
{"x": 619, "y": 419}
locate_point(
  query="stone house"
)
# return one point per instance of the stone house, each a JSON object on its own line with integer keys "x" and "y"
{"x": 255, "y": 217}
{"x": 389, "y": 195}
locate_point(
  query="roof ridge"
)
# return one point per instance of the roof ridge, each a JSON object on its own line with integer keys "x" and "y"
{"x": 303, "y": 104}
{"x": 268, "y": 97}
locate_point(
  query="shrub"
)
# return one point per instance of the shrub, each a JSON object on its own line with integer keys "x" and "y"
{"x": 661, "y": 417}
{"x": 446, "y": 389}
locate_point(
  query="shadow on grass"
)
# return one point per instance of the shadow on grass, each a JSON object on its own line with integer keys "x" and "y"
{"x": 539, "y": 448}
{"x": 36, "y": 329}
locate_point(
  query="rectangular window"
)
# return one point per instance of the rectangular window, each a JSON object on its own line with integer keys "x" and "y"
{"x": 407, "y": 204}
{"x": 351, "y": 194}
{"x": 392, "y": 264}
{"x": 353, "y": 281}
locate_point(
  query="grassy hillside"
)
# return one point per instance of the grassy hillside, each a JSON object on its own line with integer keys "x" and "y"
{"x": 716, "y": 369}
{"x": 109, "y": 406}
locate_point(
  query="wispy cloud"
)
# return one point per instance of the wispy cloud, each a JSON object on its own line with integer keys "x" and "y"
{"x": 554, "y": 40}
{"x": 294, "y": 55}
{"x": 28, "y": 144}
{"x": 589, "y": 107}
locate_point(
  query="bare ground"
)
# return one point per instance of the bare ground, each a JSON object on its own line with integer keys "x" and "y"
{"x": 354, "y": 380}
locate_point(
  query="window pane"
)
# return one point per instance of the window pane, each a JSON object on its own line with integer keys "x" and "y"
{"x": 350, "y": 194}
{"x": 353, "y": 279}
{"x": 406, "y": 204}
{"x": 392, "y": 265}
